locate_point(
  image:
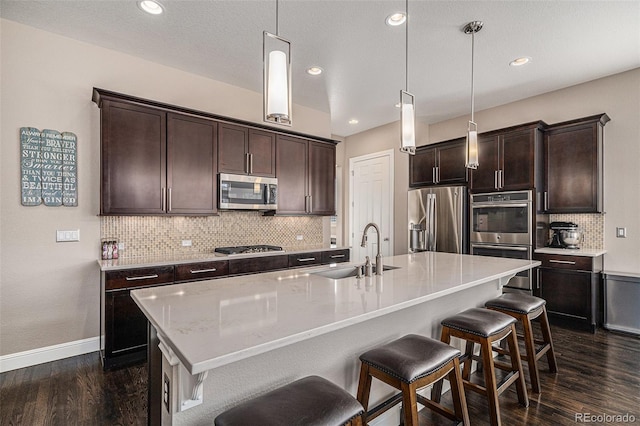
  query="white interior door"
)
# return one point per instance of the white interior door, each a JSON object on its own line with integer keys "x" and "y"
{"x": 371, "y": 200}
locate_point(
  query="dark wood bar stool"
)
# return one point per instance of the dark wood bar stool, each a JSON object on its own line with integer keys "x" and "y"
{"x": 311, "y": 401}
{"x": 525, "y": 308}
{"x": 408, "y": 364}
{"x": 484, "y": 326}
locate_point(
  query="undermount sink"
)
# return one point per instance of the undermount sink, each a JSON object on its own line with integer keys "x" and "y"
{"x": 339, "y": 273}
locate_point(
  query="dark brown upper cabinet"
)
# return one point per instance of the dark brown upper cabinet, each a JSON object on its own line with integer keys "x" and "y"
{"x": 191, "y": 165}
{"x": 242, "y": 150}
{"x": 509, "y": 159}
{"x": 133, "y": 160}
{"x": 438, "y": 164}
{"x": 573, "y": 154}
{"x": 154, "y": 162}
{"x": 306, "y": 176}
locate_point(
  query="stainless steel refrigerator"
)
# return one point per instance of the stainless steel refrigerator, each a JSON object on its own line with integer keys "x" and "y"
{"x": 438, "y": 219}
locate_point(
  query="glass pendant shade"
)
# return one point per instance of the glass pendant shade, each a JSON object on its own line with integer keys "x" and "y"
{"x": 407, "y": 122}
{"x": 472, "y": 146}
{"x": 277, "y": 79}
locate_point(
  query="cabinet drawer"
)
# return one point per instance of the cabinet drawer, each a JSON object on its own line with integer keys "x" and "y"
{"x": 578, "y": 263}
{"x": 202, "y": 270}
{"x": 335, "y": 256}
{"x": 305, "y": 259}
{"x": 258, "y": 264}
{"x": 139, "y": 277}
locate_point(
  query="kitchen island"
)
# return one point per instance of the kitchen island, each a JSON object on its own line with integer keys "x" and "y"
{"x": 224, "y": 341}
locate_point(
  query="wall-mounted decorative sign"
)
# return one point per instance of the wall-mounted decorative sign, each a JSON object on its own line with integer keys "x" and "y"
{"x": 49, "y": 167}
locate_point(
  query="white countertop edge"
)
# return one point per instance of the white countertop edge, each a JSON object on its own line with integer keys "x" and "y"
{"x": 571, "y": 252}
{"x": 203, "y": 366}
{"x": 154, "y": 261}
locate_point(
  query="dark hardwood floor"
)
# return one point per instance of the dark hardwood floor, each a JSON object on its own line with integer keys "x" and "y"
{"x": 599, "y": 374}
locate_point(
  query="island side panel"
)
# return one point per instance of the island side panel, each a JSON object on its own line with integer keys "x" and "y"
{"x": 333, "y": 355}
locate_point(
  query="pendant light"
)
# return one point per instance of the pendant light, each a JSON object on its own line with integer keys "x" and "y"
{"x": 276, "y": 68}
{"x": 472, "y": 129}
{"x": 407, "y": 101}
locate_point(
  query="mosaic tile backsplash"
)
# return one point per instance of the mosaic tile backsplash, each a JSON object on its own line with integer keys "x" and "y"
{"x": 162, "y": 236}
{"x": 592, "y": 225}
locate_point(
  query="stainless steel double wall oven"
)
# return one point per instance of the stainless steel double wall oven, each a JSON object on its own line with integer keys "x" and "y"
{"x": 505, "y": 224}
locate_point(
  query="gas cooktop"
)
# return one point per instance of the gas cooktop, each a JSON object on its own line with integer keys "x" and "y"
{"x": 247, "y": 249}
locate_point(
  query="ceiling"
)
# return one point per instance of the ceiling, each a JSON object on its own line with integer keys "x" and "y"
{"x": 364, "y": 59}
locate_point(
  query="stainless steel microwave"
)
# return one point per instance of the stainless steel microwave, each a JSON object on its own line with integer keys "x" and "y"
{"x": 241, "y": 192}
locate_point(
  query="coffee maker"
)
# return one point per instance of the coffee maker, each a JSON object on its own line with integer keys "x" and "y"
{"x": 557, "y": 240}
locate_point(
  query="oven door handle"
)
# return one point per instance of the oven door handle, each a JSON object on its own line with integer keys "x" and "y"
{"x": 506, "y": 204}
{"x": 490, "y": 246}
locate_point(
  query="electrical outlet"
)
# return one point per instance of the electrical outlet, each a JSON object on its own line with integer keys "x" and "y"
{"x": 621, "y": 232}
{"x": 186, "y": 243}
{"x": 299, "y": 237}
{"x": 64, "y": 236}
{"x": 120, "y": 246}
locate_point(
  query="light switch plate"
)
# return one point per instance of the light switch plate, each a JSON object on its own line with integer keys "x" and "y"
{"x": 621, "y": 232}
{"x": 186, "y": 243}
{"x": 299, "y": 237}
{"x": 67, "y": 235}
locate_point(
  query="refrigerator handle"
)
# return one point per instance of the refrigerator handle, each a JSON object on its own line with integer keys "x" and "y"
{"x": 434, "y": 224}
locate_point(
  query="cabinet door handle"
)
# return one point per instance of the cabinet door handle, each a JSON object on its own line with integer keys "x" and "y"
{"x": 306, "y": 259}
{"x": 202, "y": 271}
{"x": 336, "y": 256}
{"x": 250, "y": 163}
{"x": 433, "y": 175}
{"x": 169, "y": 200}
{"x": 310, "y": 203}
{"x": 565, "y": 262}
{"x": 495, "y": 179}
{"x": 306, "y": 204}
{"x": 546, "y": 201}
{"x": 164, "y": 198}
{"x": 501, "y": 178}
{"x": 142, "y": 277}
{"x": 438, "y": 173}
{"x": 246, "y": 162}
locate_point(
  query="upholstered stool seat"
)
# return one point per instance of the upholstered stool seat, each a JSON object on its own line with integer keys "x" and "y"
{"x": 525, "y": 308}
{"x": 311, "y": 401}
{"x": 410, "y": 363}
{"x": 484, "y": 326}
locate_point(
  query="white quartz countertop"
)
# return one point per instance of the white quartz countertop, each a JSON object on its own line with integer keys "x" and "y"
{"x": 177, "y": 259}
{"x": 211, "y": 323}
{"x": 571, "y": 252}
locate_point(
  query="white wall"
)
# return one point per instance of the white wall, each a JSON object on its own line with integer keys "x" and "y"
{"x": 381, "y": 139}
{"x": 50, "y": 291}
{"x": 618, "y": 96}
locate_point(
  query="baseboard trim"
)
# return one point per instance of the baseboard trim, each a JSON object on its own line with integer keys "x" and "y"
{"x": 48, "y": 354}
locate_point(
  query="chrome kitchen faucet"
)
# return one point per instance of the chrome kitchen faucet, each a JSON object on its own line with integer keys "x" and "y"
{"x": 379, "y": 266}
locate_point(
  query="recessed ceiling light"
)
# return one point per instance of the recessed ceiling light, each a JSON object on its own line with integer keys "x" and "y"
{"x": 520, "y": 61}
{"x": 353, "y": 121}
{"x": 151, "y": 6}
{"x": 396, "y": 19}
{"x": 314, "y": 70}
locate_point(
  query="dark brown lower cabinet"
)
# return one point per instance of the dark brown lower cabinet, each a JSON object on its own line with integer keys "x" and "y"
{"x": 124, "y": 326}
{"x": 572, "y": 287}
